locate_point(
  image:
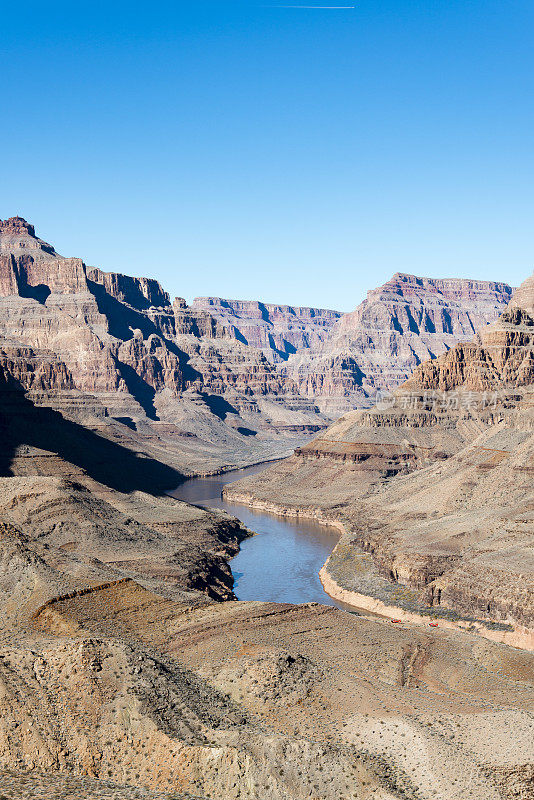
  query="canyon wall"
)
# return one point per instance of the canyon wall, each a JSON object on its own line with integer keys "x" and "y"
{"x": 220, "y": 383}
{"x": 279, "y": 330}
{"x": 434, "y": 484}
{"x": 398, "y": 326}
{"x": 182, "y": 383}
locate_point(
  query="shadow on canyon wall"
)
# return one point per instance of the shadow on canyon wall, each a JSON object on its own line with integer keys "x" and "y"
{"x": 23, "y": 423}
{"x": 124, "y": 320}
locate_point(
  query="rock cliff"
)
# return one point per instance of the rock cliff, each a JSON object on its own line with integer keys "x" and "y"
{"x": 501, "y": 356}
{"x": 401, "y": 324}
{"x": 278, "y": 330}
{"x": 177, "y": 377}
{"x": 220, "y": 383}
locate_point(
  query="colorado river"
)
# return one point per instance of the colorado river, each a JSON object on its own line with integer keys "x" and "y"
{"x": 282, "y": 562}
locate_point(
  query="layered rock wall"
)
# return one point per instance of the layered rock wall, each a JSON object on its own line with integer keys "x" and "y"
{"x": 223, "y": 371}
{"x": 400, "y": 325}
{"x": 141, "y": 293}
{"x": 279, "y": 330}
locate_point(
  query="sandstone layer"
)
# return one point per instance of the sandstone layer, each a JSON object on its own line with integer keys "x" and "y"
{"x": 168, "y": 378}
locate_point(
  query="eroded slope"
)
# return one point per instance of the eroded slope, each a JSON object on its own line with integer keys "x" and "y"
{"x": 433, "y": 488}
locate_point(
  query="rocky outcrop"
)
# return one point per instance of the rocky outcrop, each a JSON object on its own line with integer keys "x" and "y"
{"x": 401, "y": 324}
{"x": 501, "y": 357}
{"x": 523, "y": 297}
{"x": 30, "y": 267}
{"x": 24, "y": 368}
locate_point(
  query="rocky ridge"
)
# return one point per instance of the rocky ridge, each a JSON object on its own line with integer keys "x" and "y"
{"x": 221, "y": 383}
{"x": 398, "y": 326}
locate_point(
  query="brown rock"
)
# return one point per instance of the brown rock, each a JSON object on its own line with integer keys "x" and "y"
{"x": 436, "y": 484}
{"x": 401, "y": 324}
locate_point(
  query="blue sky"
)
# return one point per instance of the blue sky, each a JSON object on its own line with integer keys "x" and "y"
{"x": 290, "y": 155}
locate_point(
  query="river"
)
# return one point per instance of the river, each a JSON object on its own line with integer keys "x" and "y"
{"x": 281, "y": 563}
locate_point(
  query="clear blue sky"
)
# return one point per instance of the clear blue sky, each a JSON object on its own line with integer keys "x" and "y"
{"x": 290, "y": 155}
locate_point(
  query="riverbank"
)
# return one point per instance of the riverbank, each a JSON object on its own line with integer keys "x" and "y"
{"x": 280, "y": 562}
{"x": 224, "y": 470}
{"x": 508, "y": 633}
{"x": 519, "y": 637}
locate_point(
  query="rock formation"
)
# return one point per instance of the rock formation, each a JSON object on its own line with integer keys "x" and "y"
{"x": 175, "y": 376}
{"x": 401, "y": 324}
{"x": 435, "y": 483}
{"x": 128, "y": 670}
{"x": 221, "y": 383}
{"x": 278, "y": 330}
{"x": 112, "y": 689}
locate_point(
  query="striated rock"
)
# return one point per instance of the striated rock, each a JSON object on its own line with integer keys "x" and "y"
{"x": 197, "y": 323}
{"x": 144, "y": 360}
{"x": 30, "y": 370}
{"x": 30, "y": 267}
{"x": 436, "y": 484}
{"x": 141, "y": 293}
{"x": 119, "y": 675}
{"x": 279, "y": 330}
{"x": 405, "y": 322}
{"x": 29, "y": 277}
{"x": 241, "y": 380}
{"x": 500, "y": 357}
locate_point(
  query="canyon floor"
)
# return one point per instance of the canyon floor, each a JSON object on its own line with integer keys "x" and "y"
{"x": 263, "y": 700}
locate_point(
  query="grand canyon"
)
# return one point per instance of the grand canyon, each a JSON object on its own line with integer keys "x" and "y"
{"x": 129, "y": 668}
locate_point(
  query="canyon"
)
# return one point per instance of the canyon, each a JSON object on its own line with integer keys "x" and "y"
{"x": 432, "y": 487}
{"x": 218, "y": 384}
{"x": 127, "y": 666}
{"x": 162, "y": 377}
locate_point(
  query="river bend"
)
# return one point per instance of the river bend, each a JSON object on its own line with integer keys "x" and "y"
{"x": 281, "y": 563}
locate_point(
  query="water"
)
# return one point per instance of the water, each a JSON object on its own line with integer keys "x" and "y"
{"x": 282, "y": 562}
